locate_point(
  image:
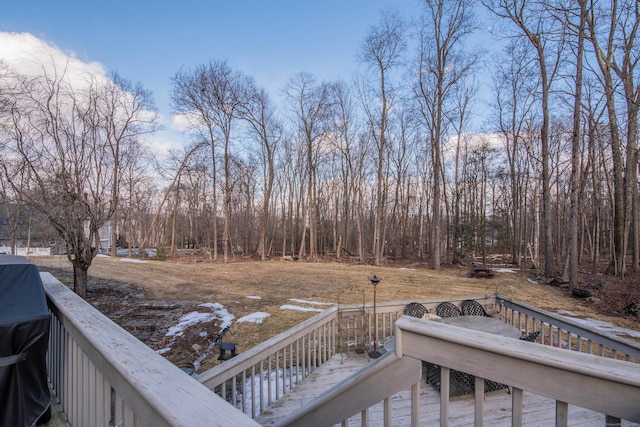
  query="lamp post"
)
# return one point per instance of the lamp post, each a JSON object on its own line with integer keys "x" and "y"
{"x": 374, "y": 354}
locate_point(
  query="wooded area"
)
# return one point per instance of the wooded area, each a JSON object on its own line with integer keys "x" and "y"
{"x": 386, "y": 166}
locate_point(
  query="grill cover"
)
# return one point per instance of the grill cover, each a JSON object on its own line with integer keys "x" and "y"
{"x": 24, "y": 337}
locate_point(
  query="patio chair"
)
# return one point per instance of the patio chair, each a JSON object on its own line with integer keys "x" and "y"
{"x": 531, "y": 336}
{"x": 446, "y": 309}
{"x": 460, "y": 383}
{"x": 473, "y": 308}
{"x": 415, "y": 309}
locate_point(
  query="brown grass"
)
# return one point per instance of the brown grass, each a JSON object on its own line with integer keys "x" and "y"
{"x": 278, "y": 281}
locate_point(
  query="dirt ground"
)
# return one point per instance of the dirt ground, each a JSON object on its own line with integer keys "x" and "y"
{"x": 147, "y": 298}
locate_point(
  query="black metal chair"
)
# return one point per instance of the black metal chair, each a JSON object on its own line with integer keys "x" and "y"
{"x": 415, "y": 309}
{"x": 446, "y": 309}
{"x": 531, "y": 336}
{"x": 460, "y": 383}
{"x": 473, "y": 308}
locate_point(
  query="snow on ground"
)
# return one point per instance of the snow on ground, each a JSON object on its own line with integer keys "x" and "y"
{"x": 256, "y": 317}
{"x": 299, "y": 308}
{"x": 505, "y": 270}
{"x": 532, "y": 281}
{"x": 253, "y": 297}
{"x": 132, "y": 260}
{"x": 303, "y": 301}
{"x": 218, "y": 311}
{"x": 566, "y": 313}
{"x": 607, "y": 327}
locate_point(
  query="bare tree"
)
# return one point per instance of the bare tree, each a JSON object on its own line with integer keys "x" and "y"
{"x": 533, "y": 23}
{"x": 568, "y": 18}
{"x": 259, "y": 112}
{"x": 208, "y": 97}
{"x": 310, "y": 102}
{"x": 382, "y": 50}
{"x": 128, "y": 114}
{"x": 612, "y": 31}
{"x": 441, "y": 66}
{"x": 59, "y": 128}
{"x": 514, "y": 85}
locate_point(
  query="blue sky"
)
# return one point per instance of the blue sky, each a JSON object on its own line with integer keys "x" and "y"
{"x": 149, "y": 41}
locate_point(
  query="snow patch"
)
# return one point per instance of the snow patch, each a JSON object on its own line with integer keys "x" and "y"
{"x": 607, "y": 327}
{"x": 253, "y": 297}
{"x": 298, "y": 308}
{"x": 566, "y": 313}
{"x": 302, "y": 301}
{"x": 135, "y": 261}
{"x": 532, "y": 281}
{"x": 193, "y": 318}
{"x": 505, "y": 270}
{"x": 256, "y": 317}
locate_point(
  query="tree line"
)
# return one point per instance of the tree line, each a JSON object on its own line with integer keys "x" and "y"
{"x": 388, "y": 166}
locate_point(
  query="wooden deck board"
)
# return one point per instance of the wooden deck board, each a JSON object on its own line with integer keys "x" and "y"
{"x": 538, "y": 410}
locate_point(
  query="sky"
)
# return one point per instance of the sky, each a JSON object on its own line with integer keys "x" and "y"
{"x": 148, "y": 42}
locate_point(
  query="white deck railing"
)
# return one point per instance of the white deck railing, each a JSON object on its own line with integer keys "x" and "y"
{"x": 564, "y": 332}
{"x": 260, "y": 376}
{"x": 104, "y": 377}
{"x": 604, "y": 385}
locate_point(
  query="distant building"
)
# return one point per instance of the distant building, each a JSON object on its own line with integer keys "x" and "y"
{"x": 25, "y": 230}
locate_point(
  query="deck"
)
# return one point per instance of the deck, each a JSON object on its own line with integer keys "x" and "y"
{"x": 538, "y": 410}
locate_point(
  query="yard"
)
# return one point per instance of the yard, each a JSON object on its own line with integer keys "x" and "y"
{"x": 165, "y": 291}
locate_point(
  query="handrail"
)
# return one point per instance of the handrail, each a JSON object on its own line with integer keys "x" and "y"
{"x": 563, "y": 323}
{"x": 613, "y": 385}
{"x": 103, "y": 376}
{"x": 244, "y": 361}
{"x": 381, "y": 379}
{"x": 547, "y": 371}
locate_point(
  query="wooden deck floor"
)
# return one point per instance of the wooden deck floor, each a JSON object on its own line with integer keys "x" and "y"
{"x": 538, "y": 411}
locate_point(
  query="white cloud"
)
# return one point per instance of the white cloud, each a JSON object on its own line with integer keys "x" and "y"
{"x": 32, "y": 56}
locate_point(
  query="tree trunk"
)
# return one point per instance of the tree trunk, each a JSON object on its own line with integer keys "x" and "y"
{"x": 572, "y": 243}
{"x": 80, "y": 279}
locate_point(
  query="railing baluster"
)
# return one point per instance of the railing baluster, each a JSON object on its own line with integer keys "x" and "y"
{"x": 444, "y": 396}
{"x": 278, "y": 375}
{"x": 269, "y": 381}
{"x": 244, "y": 391}
{"x": 516, "y": 406}
{"x": 562, "y": 414}
{"x": 479, "y": 402}
{"x": 253, "y": 391}
{"x": 290, "y": 365}
{"x": 234, "y": 391}
{"x": 388, "y": 412}
{"x": 261, "y": 385}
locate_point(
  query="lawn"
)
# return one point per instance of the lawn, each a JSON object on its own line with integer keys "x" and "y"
{"x": 277, "y": 282}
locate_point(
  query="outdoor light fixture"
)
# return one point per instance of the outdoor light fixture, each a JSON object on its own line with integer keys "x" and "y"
{"x": 374, "y": 354}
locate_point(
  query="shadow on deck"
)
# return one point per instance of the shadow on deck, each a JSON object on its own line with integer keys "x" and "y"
{"x": 537, "y": 410}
